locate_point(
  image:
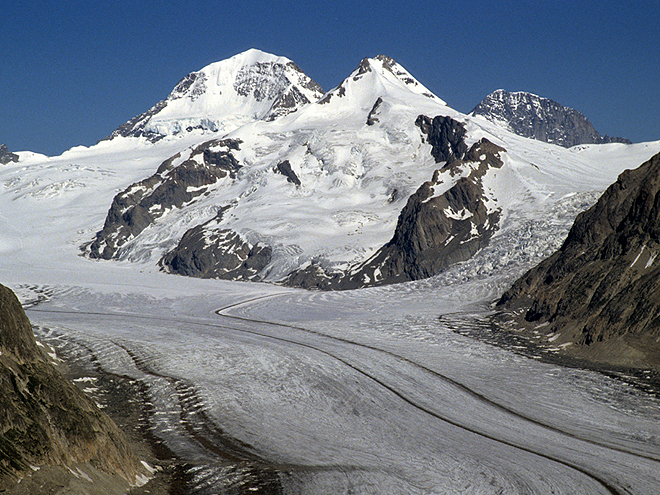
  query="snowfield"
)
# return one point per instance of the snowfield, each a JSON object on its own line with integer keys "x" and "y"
{"x": 364, "y": 391}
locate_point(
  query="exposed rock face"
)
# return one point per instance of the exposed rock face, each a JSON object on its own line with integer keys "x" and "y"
{"x": 601, "y": 290}
{"x": 285, "y": 169}
{"x": 372, "y": 117}
{"x": 209, "y": 251}
{"x": 433, "y": 231}
{"x": 176, "y": 182}
{"x": 539, "y": 118}
{"x": 6, "y": 156}
{"x": 137, "y": 126}
{"x": 45, "y": 420}
{"x": 272, "y": 81}
{"x": 436, "y": 231}
{"x": 445, "y": 135}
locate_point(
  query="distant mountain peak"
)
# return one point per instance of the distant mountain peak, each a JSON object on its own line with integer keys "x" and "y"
{"x": 252, "y": 85}
{"x": 539, "y": 118}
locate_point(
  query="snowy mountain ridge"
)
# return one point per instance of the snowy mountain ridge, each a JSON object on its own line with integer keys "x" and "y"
{"x": 386, "y": 389}
{"x": 222, "y": 96}
{"x": 340, "y": 170}
{"x": 309, "y": 194}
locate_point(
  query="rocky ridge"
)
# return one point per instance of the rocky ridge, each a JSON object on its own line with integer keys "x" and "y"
{"x": 47, "y": 421}
{"x": 599, "y": 295}
{"x": 433, "y": 231}
{"x": 7, "y": 156}
{"x": 540, "y": 118}
{"x": 178, "y": 180}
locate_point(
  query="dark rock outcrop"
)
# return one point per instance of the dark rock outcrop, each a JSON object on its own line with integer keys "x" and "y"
{"x": 542, "y": 119}
{"x": 432, "y": 232}
{"x": 315, "y": 276}
{"x": 285, "y": 169}
{"x": 445, "y": 135}
{"x": 273, "y": 81}
{"x": 600, "y": 293}
{"x": 7, "y": 156}
{"x": 44, "y": 419}
{"x": 137, "y": 126}
{"x": 171, "y": 186}
{"x": 210, "y": 251}
{"x": 372, "y": 118}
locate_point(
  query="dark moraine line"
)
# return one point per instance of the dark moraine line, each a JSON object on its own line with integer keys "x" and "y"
{"x": 436, "y": 374}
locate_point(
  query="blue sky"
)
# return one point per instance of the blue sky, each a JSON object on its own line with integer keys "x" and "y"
{"x": 71, "y": 72}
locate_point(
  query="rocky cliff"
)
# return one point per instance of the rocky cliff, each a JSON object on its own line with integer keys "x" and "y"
{"x": 540, "y": 118}
{"x": 434, "y": 231}
{"x": 177, "y": 181}
{"x": 47, "y": 421}
{"x": 210, "y": 251}
{"x": 600, "y": 293}
{"x": 7, "y": 156}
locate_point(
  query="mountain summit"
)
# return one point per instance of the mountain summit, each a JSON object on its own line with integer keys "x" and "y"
{"x": 378, "y": 76}
{"x": 532, "y": 116}
{"x": 377, "y": 181}
{"x": 221, "y": 97}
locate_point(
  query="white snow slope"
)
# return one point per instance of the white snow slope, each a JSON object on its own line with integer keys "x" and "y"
{"x": 361, "y": 391}
{"x": 221, "y": 97}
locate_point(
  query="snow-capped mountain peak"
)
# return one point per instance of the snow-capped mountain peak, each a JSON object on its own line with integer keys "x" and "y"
{"x": 375, "y": 78}
{"x": 224, "y": 95}
{"x": 395, "y": 73}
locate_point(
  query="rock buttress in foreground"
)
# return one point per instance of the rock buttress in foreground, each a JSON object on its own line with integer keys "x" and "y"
{"x": 46, "y": 421}
{"x": 600, "y": 293}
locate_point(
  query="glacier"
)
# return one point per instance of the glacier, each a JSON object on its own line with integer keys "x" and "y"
{"x": 380, "y": 390}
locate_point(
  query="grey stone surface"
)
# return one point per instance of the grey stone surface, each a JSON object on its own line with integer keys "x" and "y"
{"x": 285, "y": 169}
{"x": 44, "y": 419}
{"x": 210, "y": 251}
{"x": 445, "y": 135}
{"x": 7, "y": 156}
{"x": 540, "y": 118}
{"x": 142, "y": 203}
{"x": 372, "y": 118}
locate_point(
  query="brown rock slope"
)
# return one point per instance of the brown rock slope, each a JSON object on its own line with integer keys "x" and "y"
{"x": 601, "y": 291}
{"x": 47, "y": 421}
